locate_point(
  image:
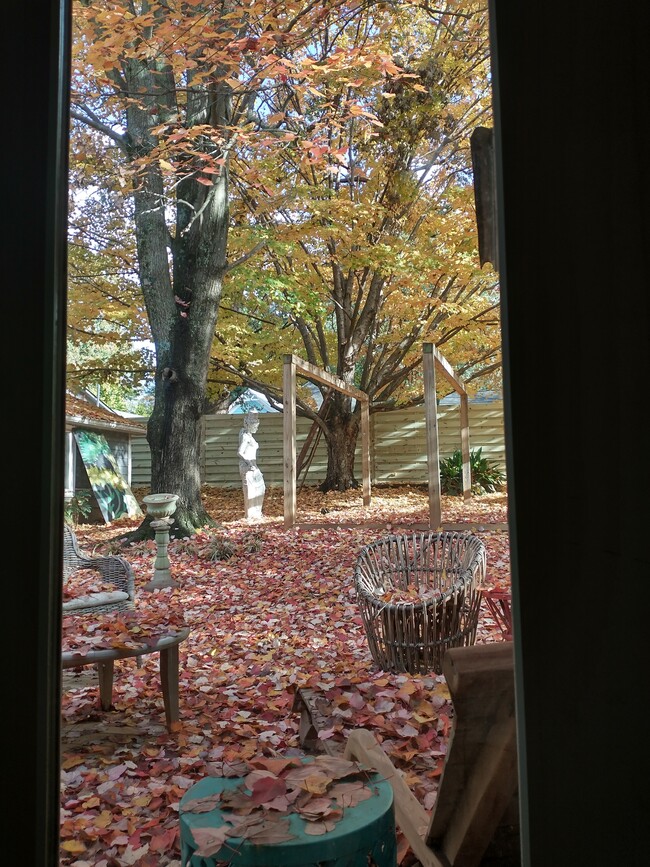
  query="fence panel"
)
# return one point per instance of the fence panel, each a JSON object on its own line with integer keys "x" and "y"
{"x": 398, "y": 446}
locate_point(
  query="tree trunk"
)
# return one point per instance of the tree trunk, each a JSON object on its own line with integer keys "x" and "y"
{"x": 174, "y": 431}
{"x": 174, "y": 434}
{"x": 343, "y": 429}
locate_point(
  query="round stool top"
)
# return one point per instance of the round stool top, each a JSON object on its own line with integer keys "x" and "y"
{"x": 367, "y": 827}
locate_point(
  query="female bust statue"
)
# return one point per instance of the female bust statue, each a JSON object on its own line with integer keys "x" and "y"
{"x": 252, "y": 479}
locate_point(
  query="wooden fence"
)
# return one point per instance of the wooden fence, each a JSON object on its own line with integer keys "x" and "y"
{"x": 398, "y": 452}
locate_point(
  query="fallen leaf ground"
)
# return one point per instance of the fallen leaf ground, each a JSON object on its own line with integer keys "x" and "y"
{"x": 278, "y": 615}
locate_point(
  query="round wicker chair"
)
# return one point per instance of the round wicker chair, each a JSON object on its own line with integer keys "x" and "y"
{"x": 419, "y": 594}
{"x": 112, "y": 568}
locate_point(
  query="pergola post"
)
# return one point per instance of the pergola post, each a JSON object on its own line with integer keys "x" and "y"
{"x": 431, "y": 415}
{"x": 365, "y": 451}
{"x": 289, "y": 439}
{"x": 432, "y": 359}
{"x": 464, "y": 446}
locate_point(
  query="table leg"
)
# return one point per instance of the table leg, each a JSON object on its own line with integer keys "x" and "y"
{"x": 105, "y": 673}
{"x": 169, "y": 682}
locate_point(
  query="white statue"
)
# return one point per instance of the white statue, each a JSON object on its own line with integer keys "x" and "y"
{"x": 251, "y": 477}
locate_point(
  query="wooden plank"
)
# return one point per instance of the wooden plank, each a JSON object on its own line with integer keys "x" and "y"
{"x": 433, "y": 460}
{"x": 480, "y": 773}
{"x": 485, "y": 798}
{"x": 326, "y": 378}
{"x": 447, "y": 370}
{"x": 481, "y": 757}
{"x": 289, "y": 439}
{"x": 410, "y": 815}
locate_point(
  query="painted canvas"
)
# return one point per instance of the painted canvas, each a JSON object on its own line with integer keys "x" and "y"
{"x": 112, "y": 491}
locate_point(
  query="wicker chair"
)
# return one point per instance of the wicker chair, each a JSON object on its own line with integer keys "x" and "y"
{"x": 112, "y": 569}
{"x": 419, "y": 594}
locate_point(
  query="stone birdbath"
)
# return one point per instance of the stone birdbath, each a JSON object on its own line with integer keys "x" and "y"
{"x": 161, "y": 507}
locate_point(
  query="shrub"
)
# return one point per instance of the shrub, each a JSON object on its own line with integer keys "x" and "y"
{"x": 77, "y": 507}
{"x": 219, "y": 548}
{"x": 486, "y": 475}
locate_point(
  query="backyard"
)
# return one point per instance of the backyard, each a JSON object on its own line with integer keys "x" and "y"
{"x": 270, "y": 611}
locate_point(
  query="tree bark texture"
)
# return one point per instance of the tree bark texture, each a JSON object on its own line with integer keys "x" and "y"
{"x": 342, "y": 431}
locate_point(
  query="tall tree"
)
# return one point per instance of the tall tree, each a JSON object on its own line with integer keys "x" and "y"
{"x": 173, "y": 92}
{"x": 107, "y": 329}
{"x": 370, "y": 227}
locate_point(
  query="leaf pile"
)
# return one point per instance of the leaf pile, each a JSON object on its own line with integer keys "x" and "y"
{"x": 318, "y": 791}
{"x": 263, "y": 624}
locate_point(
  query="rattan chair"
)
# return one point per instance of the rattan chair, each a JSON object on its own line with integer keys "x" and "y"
{"x": 112, "y": 569}
{"x": 419, "y": 595}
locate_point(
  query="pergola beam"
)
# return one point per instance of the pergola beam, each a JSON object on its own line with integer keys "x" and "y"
{"x": 292, "y": 366}
{"x": 446, "y": 369}
{"x": 313, "y": 372}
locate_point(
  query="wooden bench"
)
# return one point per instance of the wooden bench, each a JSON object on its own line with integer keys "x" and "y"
{"x": 167, "y": 647}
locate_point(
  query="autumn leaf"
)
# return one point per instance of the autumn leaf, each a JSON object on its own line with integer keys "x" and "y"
{"x": 74, "y": 846}
{"x": 201, "y": 805}
{"x": 209, "y": 840}
{"x": 267, "y": 788}
{"x": 318, "y": 828}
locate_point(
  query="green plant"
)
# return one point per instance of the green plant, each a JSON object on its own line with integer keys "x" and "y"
{"x": 219, "y": 548}
{"x": 486, "y": 475}
{"x": 77, "y": 506}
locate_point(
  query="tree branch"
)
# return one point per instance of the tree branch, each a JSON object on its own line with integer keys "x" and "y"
{"x": 256, "y": 249}
{"x": 90, "y": 119}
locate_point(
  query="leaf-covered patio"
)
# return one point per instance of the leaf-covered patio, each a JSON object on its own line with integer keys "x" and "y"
{"x": 277, "y": 616}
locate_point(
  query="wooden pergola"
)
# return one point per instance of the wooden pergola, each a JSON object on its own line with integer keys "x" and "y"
{"x": 433, "y": 360}
{"x": 292, "y": 366}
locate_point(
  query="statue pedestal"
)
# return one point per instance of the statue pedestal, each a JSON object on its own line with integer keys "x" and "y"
{"x": 254, "y": 489}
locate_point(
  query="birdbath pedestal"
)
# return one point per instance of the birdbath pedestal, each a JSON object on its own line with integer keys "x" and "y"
{"x": 161, "y": 507}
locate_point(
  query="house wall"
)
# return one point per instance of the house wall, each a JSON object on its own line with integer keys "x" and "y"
{"x": 398, "y": 446}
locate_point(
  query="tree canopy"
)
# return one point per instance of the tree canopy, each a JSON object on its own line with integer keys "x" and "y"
{"x": 304, "y": 167}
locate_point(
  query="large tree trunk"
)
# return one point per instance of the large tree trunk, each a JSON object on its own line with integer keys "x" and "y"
{"x": 173, "y": 434}
{"x": 343, "y": 430}
{"x": 182, "y": 308}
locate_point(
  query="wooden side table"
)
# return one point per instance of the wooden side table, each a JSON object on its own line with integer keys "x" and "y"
{"x": 365, "y": 835}
{"x": 167, "y": 647}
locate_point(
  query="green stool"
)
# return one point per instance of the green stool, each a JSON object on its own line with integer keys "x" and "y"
{"x": 364, "y": 836}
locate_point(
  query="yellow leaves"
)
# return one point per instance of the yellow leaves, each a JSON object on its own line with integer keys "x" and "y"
{"x": 424, "y": 712}
{"x": 315, "y": 783}
{"x": 142, "y": 801}
{"x": 75, "y": 847}
{"x": 91, "y": 803}
{"x": 104, "y": 820}
{"x": 441, "y": 690}
{"x": 71, "y": 762}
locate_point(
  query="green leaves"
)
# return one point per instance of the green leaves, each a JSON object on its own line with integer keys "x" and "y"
{"x": 487, "y": 477}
